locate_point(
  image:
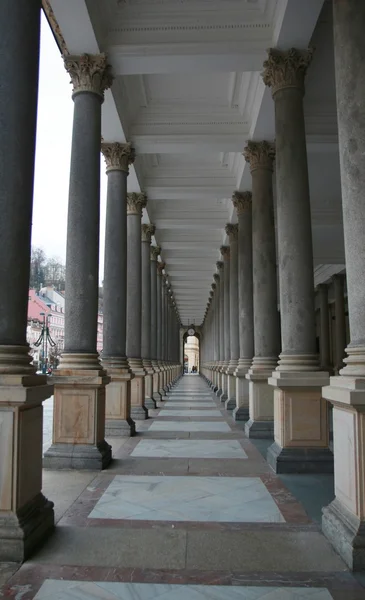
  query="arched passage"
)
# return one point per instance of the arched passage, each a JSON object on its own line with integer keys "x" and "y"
{"x": 191, "y": 348}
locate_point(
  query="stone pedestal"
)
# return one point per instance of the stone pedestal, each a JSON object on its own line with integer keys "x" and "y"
{"x": 26, "y": 516}
{"x": 149, "y": 401}
{"x": 155, "y": 381}
{"x": 79, "y": 416}
{"x": 261, "y": 406}
{"x": 241, "y": 410}
{"x": 139, "y": 411}
{"x": 301, "y": 430}
{"x": 343, "y": 521}
{"x": 230, "y": 403}
{"x": 118, "y": 421}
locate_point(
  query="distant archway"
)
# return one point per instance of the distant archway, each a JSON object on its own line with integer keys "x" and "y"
{"x": 190, "y": 348}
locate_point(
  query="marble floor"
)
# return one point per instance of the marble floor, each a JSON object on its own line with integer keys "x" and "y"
{"x": 188, "y": 510}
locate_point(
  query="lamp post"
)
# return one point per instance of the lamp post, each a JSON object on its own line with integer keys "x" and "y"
{"x": 43, "y": 339}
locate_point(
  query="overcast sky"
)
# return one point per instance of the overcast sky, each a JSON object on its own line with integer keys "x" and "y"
{"x": 54, "y": 130}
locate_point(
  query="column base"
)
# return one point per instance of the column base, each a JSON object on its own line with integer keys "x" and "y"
{"x": 22, "y": 532}
{"x": 120, "y": 427}
{"x": 346, "y": 534}
{"x": 299, "y": 460}
{"x": 150, "y": 403}
{"x": 157, "y": 397}
{"x": 241, "y": 413}
{"x": 139, "y": 413}
{"x": 78, "y": 456}
{"x": 219, "y": 392}
{"x": 259, "y": 429}
{"x": 230, "y": 404}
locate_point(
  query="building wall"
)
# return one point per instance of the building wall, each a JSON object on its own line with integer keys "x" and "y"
{"x": 192, "y": 352}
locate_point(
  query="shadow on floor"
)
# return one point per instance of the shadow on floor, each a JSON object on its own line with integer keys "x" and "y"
{"x": 313, "y": 491}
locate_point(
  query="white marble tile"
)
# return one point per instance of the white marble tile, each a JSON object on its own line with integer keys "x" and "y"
{"x": 190, "y": 413}
{"x": 83, "y": 590}
{"x": 217, "y": 426}
{"x": 179, "y": 404}
{"x": 189, "y": 449}
{"x": 203, "y": 499}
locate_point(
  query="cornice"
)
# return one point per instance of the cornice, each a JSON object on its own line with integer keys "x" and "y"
{"x": 55, "y": 27}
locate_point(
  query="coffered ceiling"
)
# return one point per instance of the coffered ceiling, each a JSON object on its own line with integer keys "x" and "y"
{"x": 188, "y": 94}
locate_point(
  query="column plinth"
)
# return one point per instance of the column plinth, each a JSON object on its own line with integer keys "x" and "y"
{"x": 79, "y": 399}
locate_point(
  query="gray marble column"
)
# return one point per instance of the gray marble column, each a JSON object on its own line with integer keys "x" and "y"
{"x": 217, "y": 331}
{"x": 225, "y": 251}
{"x": 75, "y": 445}
{"x": 154, "y": 253}
{"x": 340, "y": 321}
{"x": 26, "y": 516}
{"x": 147, "y": 232}
{"x": 260, "y": 156}
{"x": 242, "y": 202}
{"x": 324, "y": 335}
{"x": 285, "y": 73}
{"x": 160, "y": 327}
{"x": 232, "y": 232}
{"x": 135, "y": 203}
{"x": 220, "y": 267}
{"x": 343, "y": 520}
{"x": 118, "y": 422}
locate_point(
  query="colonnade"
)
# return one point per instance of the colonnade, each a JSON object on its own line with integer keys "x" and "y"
{"x": 283, "y": 386}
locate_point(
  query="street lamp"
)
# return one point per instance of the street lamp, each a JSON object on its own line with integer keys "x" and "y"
{"x": 43, "y": 339}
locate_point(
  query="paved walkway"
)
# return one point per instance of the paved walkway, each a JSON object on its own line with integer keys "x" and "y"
{"x": 188, "y": 510}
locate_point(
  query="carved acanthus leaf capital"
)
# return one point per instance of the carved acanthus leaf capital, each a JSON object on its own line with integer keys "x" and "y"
{"x": 89, "y": 73}
{"x": 220, "y": 265}
{"x": 155, "y": 252}
{"x": 213, "y": 286}
{"x": 135, "y": 203}
{"x": 225, "y": 251}
{"x": 260, "y": 155}
{"x": 160, "y": 267}
{"x": 232, "y": 231}
{"x": 148, "y": 230}
{"x": 117, "y": 156}
{"x": 216, "y": 277}
{"x": 286, "y": 68}
{"x": 242, "y": 201}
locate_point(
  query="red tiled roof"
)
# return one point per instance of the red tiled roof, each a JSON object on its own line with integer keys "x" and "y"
{"x": 36, "y": 306}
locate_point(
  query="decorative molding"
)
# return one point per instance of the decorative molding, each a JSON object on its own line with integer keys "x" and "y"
{"x": 213, "y": 286}
{"x": 148, "y": 230}
{"x": 216, "y": 277}
{"x": 117, "y": 156}
{"x": 232, "y": 231}
{"x": 55, "y": 27}
{"x": 135, "y": 203}
{"x": 155, "y": 252}
{"x": 286, "y": 68}
{"x": 225, "y": 251}
{"x": 191, "y": 27}
{"x": 260, "y": 155}
{"x": 242, "y": 201}
{"x": 89, "y": 73}
{"x": 219, "y": 265}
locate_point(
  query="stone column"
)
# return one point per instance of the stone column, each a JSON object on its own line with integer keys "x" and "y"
{"x": 118, "y": 392}
{"x": 147, "y": 232}
{"x": 217, "y": 332}
{"x": 135, "y": 203}
{"x": 79, "y": 400}
{"x": 26, "y": 516}
{"x": 225, "y": 251}
{"x": 154, "y": 253}
{"x": 220, "y": 267}
{"x": 340, "y": 321}
{"x": 242, "y": 201}
{"x": 232, "y": 232}
{"x": 324, "y": 336}
{"x": 301, "y": 425}
{"x": 260, "y": 155}
{"x": 344, "y": 519}
{"x": 160, "y": 268}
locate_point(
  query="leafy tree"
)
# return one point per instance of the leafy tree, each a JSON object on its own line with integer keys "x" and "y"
{"x": 37, "y": 267}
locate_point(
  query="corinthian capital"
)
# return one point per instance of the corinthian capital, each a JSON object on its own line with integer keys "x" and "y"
{"x": 155, "y": 252}
{"x": 216, "y": 277}
{"x": 89, "y": 73}
{"x": 117, "y": 156}
{"x": 220, "y": 265}
{"x": 148, "y": 230}
{"x": 242, "y": 201}
{"x": 225, "y": 251}
{"x": 135, "y": 203}
{"x": 232, "y": 231}
{"x": 213, "y": 286}
{"x": 260, "y": 155}
{"x": 286, "y": 68}
{"x": 160, "y": 267}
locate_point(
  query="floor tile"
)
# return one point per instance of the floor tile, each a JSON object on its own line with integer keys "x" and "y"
{"x": 84, "y": 590}
{"x": 190, "y": 413}
{"x": 218, "y": 426}
{"x": 206, "y": 499}
{"x": 178, "y": 404}
{"x": 189, "y": 449}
